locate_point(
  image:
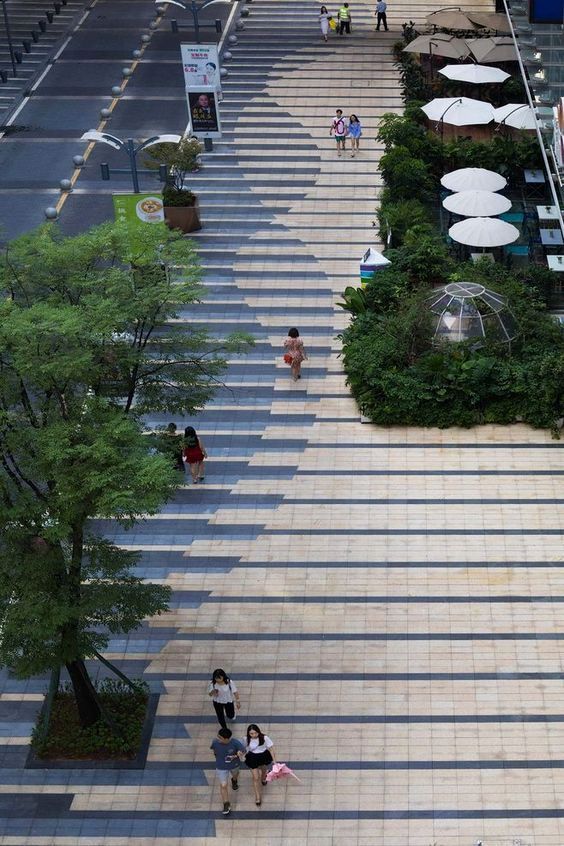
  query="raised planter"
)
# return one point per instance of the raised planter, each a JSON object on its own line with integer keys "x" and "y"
{"x": 185, "y": 218}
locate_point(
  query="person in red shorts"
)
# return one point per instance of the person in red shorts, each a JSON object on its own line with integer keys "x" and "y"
{"x": 194, "y": 454}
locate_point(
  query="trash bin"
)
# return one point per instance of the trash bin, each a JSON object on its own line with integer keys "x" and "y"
{"x": 371, "y": 262}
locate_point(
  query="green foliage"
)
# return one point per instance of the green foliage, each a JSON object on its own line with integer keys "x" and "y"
{"x": 406, "y": 176}
{"x": 66, "y": 738}
{"x": 424, "y": 256}
{"x": 354, "y": 300}
{"x": 172, "y": 197}
{"x": 388, "y": 288}
{"x": 181, "y": 159}
{"x": 400, "y": 216}
{"x": 397, "y": 377}
{"x": 94, "y": 331}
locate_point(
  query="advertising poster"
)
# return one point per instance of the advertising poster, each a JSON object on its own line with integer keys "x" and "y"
{"x": 138, "y": 208}
{"x": 200, "y": 63}
{"x": 203, "y": 111}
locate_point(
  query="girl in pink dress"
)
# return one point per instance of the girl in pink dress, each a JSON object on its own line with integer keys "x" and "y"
{"x": 295, "y": 353}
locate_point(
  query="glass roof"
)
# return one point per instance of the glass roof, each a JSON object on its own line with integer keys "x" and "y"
{"x": 466, "y": 311}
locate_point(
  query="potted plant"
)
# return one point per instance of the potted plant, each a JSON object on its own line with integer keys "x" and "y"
{"x": 180, "y": 204}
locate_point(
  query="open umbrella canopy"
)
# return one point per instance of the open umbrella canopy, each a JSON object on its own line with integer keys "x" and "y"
{"x": 477, "y": 203}
{"x": 458, "y": 111}
{"x": 491, "y": 50}
{"x": 478, "y": 74}
{"x": 439, "y": 45}
{"x": 450, "y": 19}
{"x": 490, "y": 20}
{"x": 483, "y": 232}
{"x": 473, "y": 178}
{"x": 517, "y": 115}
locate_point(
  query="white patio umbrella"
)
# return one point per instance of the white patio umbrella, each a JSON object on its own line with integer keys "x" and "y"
{"x": 492, "y": 50}
{"x": 439, "y": 45}
{"x": 483, "y": 232}
{"x": 490, "y": 20}
{"x": 477, "y": 203}
{"x": 473, "y": 179}
{"x": 478, "y": 74}
{"x": 458, "y": 111}
{"x": 450, "y": 19}
{"x": 517, "y": 115}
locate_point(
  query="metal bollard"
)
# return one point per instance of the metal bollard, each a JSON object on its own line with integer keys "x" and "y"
{"x": 218, "y": 26}
{"x": 105, "y": 170}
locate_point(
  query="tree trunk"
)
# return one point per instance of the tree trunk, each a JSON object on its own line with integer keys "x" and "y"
{"x": 87, "y": 702}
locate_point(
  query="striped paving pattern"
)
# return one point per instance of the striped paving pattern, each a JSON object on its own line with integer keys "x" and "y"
{"x": 388, "y": 600}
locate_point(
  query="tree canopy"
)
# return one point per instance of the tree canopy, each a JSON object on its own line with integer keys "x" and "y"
{"x": 94, "y": 331}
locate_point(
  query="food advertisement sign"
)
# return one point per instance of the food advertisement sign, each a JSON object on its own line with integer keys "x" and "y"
{"x": 138, "y": 208}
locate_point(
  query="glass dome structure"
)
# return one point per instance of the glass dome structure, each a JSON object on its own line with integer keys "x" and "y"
{"x": 466, "y": 311}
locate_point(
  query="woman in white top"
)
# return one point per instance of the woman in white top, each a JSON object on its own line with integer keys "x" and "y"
{"x": 324, "y": 22}
{"x": 259, "y": 753}
{"x": 225, "y": 695}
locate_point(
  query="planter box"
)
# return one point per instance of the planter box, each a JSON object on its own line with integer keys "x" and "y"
{"x": 185, "y": 218}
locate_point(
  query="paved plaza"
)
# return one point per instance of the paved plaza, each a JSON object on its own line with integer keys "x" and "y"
{"x": 389, "y": 601}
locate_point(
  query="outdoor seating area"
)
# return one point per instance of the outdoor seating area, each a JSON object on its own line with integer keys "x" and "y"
{"x": 514, "y": 227}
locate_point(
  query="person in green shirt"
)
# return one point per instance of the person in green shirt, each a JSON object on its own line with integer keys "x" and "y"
{"x": 344, "y": 18}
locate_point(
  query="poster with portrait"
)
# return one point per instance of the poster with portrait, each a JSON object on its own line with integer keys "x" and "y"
{"x": 200, "y": 63}
{"x": 203, "y": 113}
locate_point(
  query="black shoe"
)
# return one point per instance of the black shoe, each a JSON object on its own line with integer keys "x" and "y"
{"x": 234, "y": 784}
{"x": 226, "y": 809}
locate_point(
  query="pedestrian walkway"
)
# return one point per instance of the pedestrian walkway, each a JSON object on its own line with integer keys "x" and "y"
{"x": 388, "y": 600}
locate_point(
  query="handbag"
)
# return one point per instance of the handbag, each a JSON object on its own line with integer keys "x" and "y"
{"x": 288, "y": 358}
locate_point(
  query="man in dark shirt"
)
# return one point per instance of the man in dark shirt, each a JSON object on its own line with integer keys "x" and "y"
{"x": 227, "y": 763}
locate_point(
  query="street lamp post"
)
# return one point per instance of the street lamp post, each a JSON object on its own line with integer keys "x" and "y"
{"x": 195, "y": 8}
{"x": 129, "y": 149}
{"x": 9, "y": 37}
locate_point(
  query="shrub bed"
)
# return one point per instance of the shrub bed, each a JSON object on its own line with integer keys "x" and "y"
{"x": 65, "y": 738}
{"x": 396, "y": 374}
{"x": 398, "y": 377}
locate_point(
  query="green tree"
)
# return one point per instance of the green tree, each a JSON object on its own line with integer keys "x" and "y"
{"x": 94, "y": 331}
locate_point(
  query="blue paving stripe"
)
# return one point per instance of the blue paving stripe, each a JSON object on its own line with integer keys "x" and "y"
{"x": 149, "y": 824}
{"x": 382, "y": 599}
{"x": 476, "y": 472}
{"x": 178, "y": 560}
{"x": 462, "y": 532}
{"x": 412, "y": 501}
{"x": 413, "y": 764}
{"x": 385, "y": 719}
{"x": 471, "y": 676}
{"x": 154, "y": 777}
{"x": 93, "y": 824}
{"x": 423, "y": 446}
{"x": 201, "y": 824}
{"x": 370, "y": 636}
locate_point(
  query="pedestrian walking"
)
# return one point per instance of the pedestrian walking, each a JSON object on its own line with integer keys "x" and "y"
{"x": 355, "y": 131}
{"x": 227, "y": 749}
{"x": 380, "y": 12}
{"x": 339, "y": 130}
{"x": 225, "y": 696}
{"x": 324, "y": 22}
{"x": 344, "y": 18}
{"x": 259, "y": 754}
{"x": 194, "y": 454}
{"x": 295, "y": 353}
